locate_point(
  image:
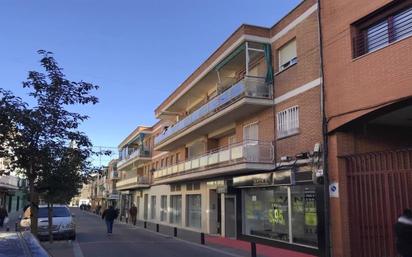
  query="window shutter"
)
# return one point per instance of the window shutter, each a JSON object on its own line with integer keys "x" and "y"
{"x": 287, "y": 53}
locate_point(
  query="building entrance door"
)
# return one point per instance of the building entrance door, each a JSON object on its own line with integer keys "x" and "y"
{"x": 230, "y": 216}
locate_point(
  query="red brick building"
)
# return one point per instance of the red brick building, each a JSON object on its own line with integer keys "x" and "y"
{"x": 367, "y": 50}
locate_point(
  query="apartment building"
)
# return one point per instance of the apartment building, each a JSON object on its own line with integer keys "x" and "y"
{"x": 367, "y": 49}
{"x": 135, "y": 154}
{"x": 237, "y": 149}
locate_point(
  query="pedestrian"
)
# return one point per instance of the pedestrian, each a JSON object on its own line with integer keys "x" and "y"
{"x": 3, "y": 215}
{"x": 403, "y": 231}
{"x": 109, "y": 215}
{"x": 133, "y": 213}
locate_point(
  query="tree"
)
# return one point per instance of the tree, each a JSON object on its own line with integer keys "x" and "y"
{"x": 35, "y": 137}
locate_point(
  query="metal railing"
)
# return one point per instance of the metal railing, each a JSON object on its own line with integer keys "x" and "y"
{"x": 139, "y": 152}
{"x": 392, "y": 29}
{"x": 248, "y": 87}
{"x": 9, "y": 181}
{"x": 141, "y": 180}
{"x": 251, "y": 151}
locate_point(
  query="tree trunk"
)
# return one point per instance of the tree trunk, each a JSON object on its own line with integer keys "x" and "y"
{"x": 50, "y": 215}
{"x": 34, "y": 205}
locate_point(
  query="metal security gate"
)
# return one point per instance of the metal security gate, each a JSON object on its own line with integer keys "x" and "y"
{"x": 379, "y": 188}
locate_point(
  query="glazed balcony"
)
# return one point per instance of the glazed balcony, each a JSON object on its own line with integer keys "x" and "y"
{"x": 247, "y": 96}
{"x": 237, "y": 158}
{"x": 133, "y": 182}
{"x": 137, "y": 154}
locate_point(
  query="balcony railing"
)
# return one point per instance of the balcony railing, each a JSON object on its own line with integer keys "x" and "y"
{"x": 248, "y": 87}
{"x": 248, "y": 151}
{"x": 136, "y": 153}
{"x": 9, "y": 181}
{"x": 139, "y": 180}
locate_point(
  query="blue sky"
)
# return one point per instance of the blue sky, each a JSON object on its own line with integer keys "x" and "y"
{"x": 138, "y": 52}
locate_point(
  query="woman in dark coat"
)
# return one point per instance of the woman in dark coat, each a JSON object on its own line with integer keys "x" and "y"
{"x": 403, "y": 230}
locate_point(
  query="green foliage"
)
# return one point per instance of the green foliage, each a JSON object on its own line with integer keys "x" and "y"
{"x": 39, "y": 139}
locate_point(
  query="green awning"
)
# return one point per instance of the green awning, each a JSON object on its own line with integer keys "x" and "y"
{"x": 230, "y": 57}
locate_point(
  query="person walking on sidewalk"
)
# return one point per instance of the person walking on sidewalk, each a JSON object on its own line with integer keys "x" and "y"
{"x": 3, "y": 215}
{"x": 133, "y": 213}
{"x": 109, "y": 215}
{"x": 403, "y": 230}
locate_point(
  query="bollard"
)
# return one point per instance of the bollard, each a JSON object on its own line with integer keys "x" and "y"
{"x": 175, "y": 232}
{"x": 157, "y": 227}
{"x": 202, "y": 238}
{"x": 253, "y": 249}
{"x": 144, "y": 225}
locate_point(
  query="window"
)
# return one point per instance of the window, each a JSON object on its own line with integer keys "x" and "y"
{"x": 266, "y": 213}
{"x": 193, "y": 186}
{"x": 163, "y": 208}
{"x": 174, "y": 188}
{"x": 153, "y": 207}
{"x": 281, "y": 213}
{"x": 177, "y": 157}
{"x": 194, "y": 211}
{"x": 232, "y": 139}
{"x": 176, "y": 209}
{"x": 287, "y": 55}
{"x": 251, "y": 132}
{"x": 195, "y": 149}
{"x": 288, "y": 122}
{"x": 392, "y": 28}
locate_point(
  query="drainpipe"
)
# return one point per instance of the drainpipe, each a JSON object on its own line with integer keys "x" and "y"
{"x": 326, "y": 251}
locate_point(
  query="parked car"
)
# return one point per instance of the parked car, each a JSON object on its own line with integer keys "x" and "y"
{"x": 18, "y": 244}
{"x": 63, "y": 222}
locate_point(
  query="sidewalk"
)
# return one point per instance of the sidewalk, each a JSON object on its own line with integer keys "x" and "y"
{"x": 236, "y": 247}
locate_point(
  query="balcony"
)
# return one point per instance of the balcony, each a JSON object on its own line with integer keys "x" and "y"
{"x": 9, "y": 182}
{"x": 247, "y": 96}
{"x": 134, "y": 155}
{"x": 134, "y": 182}
{"x": 240, "y": 157}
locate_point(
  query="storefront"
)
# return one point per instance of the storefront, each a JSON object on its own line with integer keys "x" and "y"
{"x": 282, "y": 208}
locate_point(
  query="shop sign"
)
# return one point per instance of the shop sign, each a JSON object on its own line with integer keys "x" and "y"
{"x": 215, "y": 184}
{"x": 253, "y": 180}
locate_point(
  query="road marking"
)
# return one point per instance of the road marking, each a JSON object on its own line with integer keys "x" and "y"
{"x": 76, "y": 249}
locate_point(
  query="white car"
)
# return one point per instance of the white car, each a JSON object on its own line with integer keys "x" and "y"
{"x": 63, "y": 222}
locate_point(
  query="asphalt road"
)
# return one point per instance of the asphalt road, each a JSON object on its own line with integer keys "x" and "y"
{"x": 126, "y": 241}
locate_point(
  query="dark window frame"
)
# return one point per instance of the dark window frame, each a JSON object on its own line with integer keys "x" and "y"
{"x": 360, "y": 27}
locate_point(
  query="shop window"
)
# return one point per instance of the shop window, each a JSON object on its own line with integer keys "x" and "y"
{"x": 163, "y": 208}
{"x": 304, "y": 217}
{"x": 153, "y": 207}
{"x": 288, "y": 122}
{"x": 265, "y": 213}
{"x": 287, "y": 55}
{"x": 194, "y": 211}
{"x": 376, "y": 32}
{"x": 271, "y": 214}
{"x": 176, "y": 209}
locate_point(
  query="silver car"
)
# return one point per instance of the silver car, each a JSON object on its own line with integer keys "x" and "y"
{"x": 63, "y": 222}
